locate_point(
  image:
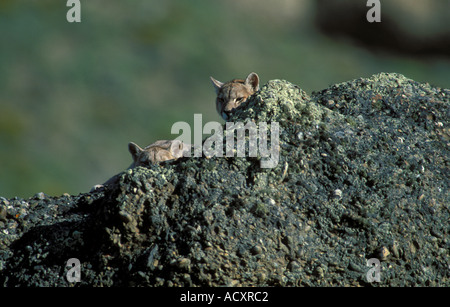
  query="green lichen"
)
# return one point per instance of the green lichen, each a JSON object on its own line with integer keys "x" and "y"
{"x": 280, "y": 101}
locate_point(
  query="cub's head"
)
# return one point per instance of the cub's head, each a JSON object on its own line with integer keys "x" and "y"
{"x": 232, "y": 93}
{"x": 157, "y": 152}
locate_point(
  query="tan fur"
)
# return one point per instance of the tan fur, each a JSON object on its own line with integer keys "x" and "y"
{"x": 231, "y": 94}
{"x": 159, "y": 151}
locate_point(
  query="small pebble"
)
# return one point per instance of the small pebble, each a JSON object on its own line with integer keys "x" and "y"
{"x": 338, "y": 193}
{"x": 256, "y": 250}
{"x": 383, "y": 253}
{"x": 40, "y": 196}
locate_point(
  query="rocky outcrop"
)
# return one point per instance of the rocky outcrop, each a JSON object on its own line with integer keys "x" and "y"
{"x": 362, "y": 173}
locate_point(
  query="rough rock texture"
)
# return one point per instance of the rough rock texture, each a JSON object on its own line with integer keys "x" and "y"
{"x": 363, "y": 173}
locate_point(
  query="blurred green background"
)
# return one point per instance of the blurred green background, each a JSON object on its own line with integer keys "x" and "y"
{"x": 72, "y": 95}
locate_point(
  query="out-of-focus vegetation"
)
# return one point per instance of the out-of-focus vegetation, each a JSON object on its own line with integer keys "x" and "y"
{"x": 72, "y": 95}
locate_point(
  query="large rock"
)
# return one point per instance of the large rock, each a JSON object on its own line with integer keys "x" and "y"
{"x": 362, "y": 173}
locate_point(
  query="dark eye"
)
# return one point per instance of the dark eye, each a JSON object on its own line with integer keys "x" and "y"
{"x": 239, "y": 100}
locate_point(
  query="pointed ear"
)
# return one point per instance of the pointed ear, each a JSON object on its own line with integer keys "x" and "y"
{"x": 176, "y": 148}
{"x": 253, "y": 81}
{"x": 185, "y": 150}
{"x": 217, "y": 84}
{"x": 134, "y": 150}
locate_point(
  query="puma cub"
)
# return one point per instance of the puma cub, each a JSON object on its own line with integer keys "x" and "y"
{"x": 157, "y": 152}
{"x": 232, "y": 93}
